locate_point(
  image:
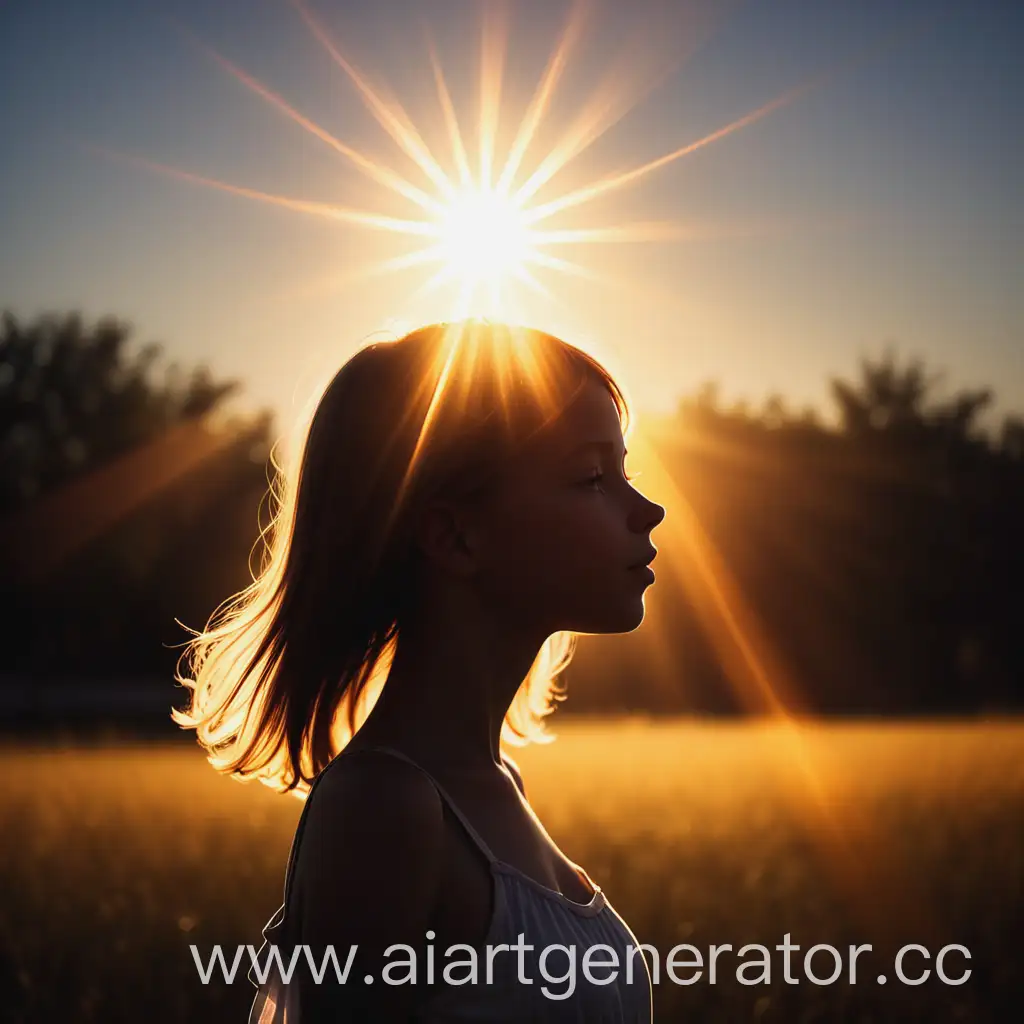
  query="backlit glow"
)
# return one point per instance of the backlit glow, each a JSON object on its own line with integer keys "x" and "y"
{"x": 484, "y": 239}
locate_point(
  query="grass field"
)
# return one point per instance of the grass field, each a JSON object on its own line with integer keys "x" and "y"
{"x": 116, "y": 857}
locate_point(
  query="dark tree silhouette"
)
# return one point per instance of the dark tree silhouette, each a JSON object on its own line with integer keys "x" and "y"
{"x": 72, "y": 397}
{"x": 124, "y": 505}
{"x": 1012, "y": 437}
{"x": 899, "y": 400}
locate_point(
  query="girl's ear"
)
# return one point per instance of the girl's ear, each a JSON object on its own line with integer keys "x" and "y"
{"x": 447, "y": 539}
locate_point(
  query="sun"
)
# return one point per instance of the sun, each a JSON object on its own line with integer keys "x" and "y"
{"x": 479, "y": 227}
{"x": 484, "y": 239}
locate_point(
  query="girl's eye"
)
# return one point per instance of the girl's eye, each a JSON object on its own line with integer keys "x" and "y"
{"x": 598, "y": 476}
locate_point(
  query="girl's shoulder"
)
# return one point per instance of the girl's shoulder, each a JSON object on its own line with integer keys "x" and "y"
{"x": 359, "y": 782}
{"x": 364, "y": 817}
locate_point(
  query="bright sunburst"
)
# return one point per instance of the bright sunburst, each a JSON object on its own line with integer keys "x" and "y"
{"x": 478, "y": 230}
{"x": 484, "y": 240}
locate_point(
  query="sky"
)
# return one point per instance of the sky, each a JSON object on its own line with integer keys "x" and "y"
{"x": 873, "y": 199}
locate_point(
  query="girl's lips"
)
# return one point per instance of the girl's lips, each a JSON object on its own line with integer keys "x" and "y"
{"x": 652, "y": 553}
{"x": 644, "y": 570}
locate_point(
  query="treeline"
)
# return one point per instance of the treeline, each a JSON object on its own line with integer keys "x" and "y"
{"x": 870, "y": 564}
{"x": 875, "y": 565}
{"x": 128, "y": 499}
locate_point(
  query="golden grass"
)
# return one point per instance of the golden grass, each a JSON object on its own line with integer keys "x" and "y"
{"x": 116, "y": 857}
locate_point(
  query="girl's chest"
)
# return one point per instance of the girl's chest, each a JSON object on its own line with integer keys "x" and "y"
{"x": 466, "y": 893}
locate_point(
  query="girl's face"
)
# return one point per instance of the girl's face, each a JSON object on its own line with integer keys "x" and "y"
{"x": 566, "y": 529}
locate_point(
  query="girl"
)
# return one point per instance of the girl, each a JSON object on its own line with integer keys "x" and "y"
{"x": 461, "y": 512}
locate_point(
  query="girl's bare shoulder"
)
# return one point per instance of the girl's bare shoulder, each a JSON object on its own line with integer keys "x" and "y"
{"x": 372, "y": 849}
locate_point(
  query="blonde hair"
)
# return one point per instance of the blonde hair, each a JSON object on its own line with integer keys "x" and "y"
{"x": 287, "y": 670}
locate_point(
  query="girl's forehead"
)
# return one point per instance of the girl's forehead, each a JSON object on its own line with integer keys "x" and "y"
{"x": 591, "y": 420}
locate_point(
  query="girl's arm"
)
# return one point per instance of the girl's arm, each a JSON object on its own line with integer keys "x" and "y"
{"x": 367, "y": 875}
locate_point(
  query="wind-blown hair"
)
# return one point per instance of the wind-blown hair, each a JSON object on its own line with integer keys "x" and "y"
{"x": 287, "y": 670}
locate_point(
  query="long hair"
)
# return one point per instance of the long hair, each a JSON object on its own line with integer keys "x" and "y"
{"x": 287, "y": 670}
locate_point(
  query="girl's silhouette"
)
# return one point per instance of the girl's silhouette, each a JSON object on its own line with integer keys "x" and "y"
{"x": 460, "y": 513}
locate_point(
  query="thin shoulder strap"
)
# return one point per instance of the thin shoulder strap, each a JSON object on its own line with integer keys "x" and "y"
{"x": 473, "y": 834}
{"x": 300, "y": 827}
{"x": 272, "y": 931}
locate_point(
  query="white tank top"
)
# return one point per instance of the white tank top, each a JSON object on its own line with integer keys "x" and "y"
{"x": 522, "y": 906}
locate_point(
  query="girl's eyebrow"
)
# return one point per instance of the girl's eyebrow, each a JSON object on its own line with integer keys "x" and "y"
{"x": 605, "y": 446}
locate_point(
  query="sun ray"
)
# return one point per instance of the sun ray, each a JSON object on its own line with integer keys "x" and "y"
{"x": 328, "y": 210}
{"x": 546, "y": 259}
{"x": 450, "y": 119}
{"x": 63, "y": 522}
{"x": 492, "y": 65}
{"x": 415, "y": 258}
{"x": 453, "y": 339}
{"x": 675, "y": 231}
{"x": 589, "y": 192}
{"x": 633, "y": 77}
{"x": 603, "y": 110}
{"x": 383, "y": 175}
{"x": 394, "y": 121}
{"x": 542, "y": 97}
{"x": 647, "y": 231}
{"x": 531, "y": 281}
{"x": 364, "y": 272}
{"x": 441, "y": 276}
{"x": 764, "y": 684}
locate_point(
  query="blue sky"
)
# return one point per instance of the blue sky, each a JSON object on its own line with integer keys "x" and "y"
{"x": 880, "y": 206}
